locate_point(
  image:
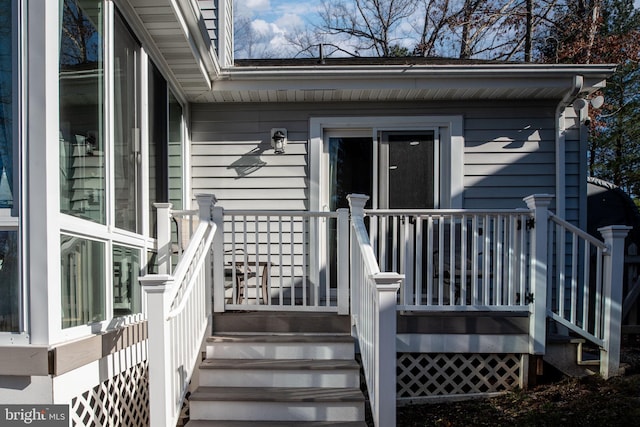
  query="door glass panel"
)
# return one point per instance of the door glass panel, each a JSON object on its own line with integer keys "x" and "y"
{"x": 350, "y": 169}
{"x": 411, "y": 171}
{"x": 126, "y": 144}
{"x": 81, "y": 138}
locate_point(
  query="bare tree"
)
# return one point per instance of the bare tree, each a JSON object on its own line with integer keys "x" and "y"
{"x": 367, "y": 25}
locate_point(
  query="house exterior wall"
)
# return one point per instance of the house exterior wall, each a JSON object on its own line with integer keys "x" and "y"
{"x": 509, "y": 151}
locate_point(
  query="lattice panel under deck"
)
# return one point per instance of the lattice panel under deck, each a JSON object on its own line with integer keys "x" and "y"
{"x": 121, "y": 401}
{"x": 426, "y": 374}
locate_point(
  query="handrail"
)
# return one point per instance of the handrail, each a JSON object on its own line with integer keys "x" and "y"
{"x": 173, "y": 302}
{"x": 578, "y": 232}
{"x": 210, "y": 230}
{"x": 585, "y": 280}
{"x": 373, "y": 297}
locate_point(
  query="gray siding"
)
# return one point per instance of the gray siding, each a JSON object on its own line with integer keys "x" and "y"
{"x": 509, "y": 151}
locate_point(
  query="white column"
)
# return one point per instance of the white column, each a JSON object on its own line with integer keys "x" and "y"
{"x": 164, "y": 237}
{"x": 387, "y": 286}
{"x": 160, "y": 387}
{"x": 41, "y": 186}
{"x": 614, "y": 236}
{"x": 539, "y": 204}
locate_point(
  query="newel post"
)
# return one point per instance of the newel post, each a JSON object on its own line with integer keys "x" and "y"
{"x": 342, "y": 262}
{"x": 356, "y": 207}
{"x": 387, "y": 286}
{"x": 164, "y": 237}
{"x": 613, "y": 270}
{"x": 206, "y": 207}
{"x": 539, "y": 204}
{"x": 161, "y": 403}
{"x": 218, "y": 260}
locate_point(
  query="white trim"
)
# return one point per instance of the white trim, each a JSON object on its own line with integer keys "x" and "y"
{"x": 451, "y": 139}
{"x": 462, "y": 343}
{"x": 144, "y": 93}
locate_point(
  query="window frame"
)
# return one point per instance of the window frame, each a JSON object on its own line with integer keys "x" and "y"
{"x": 142, "y": 239}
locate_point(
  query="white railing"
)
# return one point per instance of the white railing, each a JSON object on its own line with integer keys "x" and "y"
{"x": 373, "y": 305}
{"x": 585, "y": 277}
{"x": 456, "y": 260}
{"x": 283, "y": 260}
{"x": 178, "y": 313}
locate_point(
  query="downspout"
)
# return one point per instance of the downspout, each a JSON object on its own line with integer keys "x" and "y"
{"x": 567, "y": 99}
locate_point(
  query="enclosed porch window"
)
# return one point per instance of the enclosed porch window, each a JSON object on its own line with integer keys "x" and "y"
{"x": 10, "y": 283}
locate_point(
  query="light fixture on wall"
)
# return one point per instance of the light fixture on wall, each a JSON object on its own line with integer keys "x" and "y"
{"x": 581, "y": 105}
{"x": 278, "y": 140}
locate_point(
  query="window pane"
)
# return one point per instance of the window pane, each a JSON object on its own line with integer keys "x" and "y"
{"x": 6, "y": 104}
{"x": 175, "y": 153}
{"x": 82, "y": 170}
{"x": 82, "y": 280}
{"x": 126, "y": 142}
{"x": 9, "y": 282}
{"x": 127, "y": 295}
{"x": 158, "y": 182}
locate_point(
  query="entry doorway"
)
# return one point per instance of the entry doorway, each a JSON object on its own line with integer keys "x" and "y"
{"x": 396, "y": 169}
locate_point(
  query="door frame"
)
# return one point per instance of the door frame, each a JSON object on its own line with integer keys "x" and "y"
{"x": 451, "y": 159}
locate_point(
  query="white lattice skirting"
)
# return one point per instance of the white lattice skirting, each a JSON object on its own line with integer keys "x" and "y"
{"x": 120, "y": 401}
{"x": 424, "y": 375}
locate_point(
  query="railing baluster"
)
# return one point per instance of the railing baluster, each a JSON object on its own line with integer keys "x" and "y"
{"x": 464, "y": 248}
{"x": 574, "y": 277}
{"x": 475, "y": 297}
{"x": 418, "y": 263}
{"x": 430, "y": 272}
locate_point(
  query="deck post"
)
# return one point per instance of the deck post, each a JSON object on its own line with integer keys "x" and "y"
{"x": 161, "y": 404}
{"x": 387, "y": 286}
{"x": 539, "y": 204}
{"x": 164, "y": 237}
{"x": 218, "y": 260}
{"x": 613, "y": 270}
{"x": 342, "y": 263}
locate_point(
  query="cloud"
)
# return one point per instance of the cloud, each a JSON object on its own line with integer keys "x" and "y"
{"x": 249, "y": 8}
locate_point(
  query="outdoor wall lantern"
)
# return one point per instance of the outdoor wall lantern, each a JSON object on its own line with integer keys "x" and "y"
{"x": 278, "y": 140}
{"x": 581, "y": 105}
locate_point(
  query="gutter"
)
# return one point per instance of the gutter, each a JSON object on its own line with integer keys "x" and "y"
{"x": 567, "y": 99}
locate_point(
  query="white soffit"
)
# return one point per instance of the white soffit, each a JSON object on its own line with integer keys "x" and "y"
{"x": 177, "y": 33}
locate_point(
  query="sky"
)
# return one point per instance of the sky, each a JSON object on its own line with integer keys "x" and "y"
{"x": 273, "y": 19}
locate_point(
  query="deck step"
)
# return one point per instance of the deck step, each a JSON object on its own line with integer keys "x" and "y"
{"x": 281, "y": 346}
{"x": 280, "y": 322}
{"x": 212, "y": 423}
{"x": 277, "y": 404}
{"x": 279, "y": 373}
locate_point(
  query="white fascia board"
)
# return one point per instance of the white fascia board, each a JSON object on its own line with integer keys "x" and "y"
{"x": 198, "y": 36}
{"x": 418, "y": 76}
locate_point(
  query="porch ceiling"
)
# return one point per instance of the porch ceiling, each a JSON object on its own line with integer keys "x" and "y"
{"x": 175, "y": 31}
{"x": 324, "y": 83}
